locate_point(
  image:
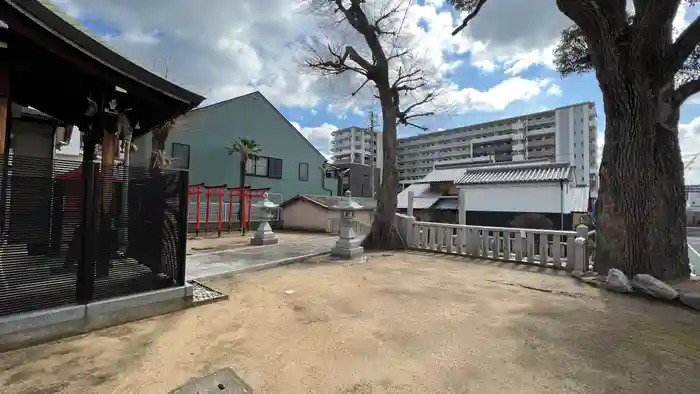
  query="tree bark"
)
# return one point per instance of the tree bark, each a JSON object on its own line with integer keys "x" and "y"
{"x": 641, "y": 205}
{"x": 384, "y": 234}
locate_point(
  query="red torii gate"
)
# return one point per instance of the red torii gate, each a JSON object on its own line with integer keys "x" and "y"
{"x": 195, "y": 190}
{"x": 214, "y": 191}
{"x": 241, "y": 193}
{"x": 245, "y": 195}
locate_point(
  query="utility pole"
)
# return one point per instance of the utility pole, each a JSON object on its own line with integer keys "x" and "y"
{"x": 373, "y": 140}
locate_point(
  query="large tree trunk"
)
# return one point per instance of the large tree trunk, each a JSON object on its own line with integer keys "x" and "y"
{"x": 641, "y": 205}
{"x": 384, "y": 234}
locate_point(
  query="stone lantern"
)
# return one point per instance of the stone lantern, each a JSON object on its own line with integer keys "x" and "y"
{"x": 264, "y": 235}
{"x": 348, "y": 245}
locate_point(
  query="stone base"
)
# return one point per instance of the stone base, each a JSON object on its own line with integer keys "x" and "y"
{"x": 347, "y": 253}
{"x": 263, "y": 241}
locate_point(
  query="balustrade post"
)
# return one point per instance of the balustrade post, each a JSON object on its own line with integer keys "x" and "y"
{"x": 518, "y": 243}
{"x": 582, "y": 232}
{"x": 410, "y": 224}
{"x": 580, "y": 264}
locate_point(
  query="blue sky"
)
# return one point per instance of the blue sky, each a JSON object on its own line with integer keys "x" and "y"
{"x": 495, "y": 69}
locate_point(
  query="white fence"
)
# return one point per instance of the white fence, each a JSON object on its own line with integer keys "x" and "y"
{"x": 552, "y": 248}
{"x": 548, "y": 248}
{"x": 255, "y": 215}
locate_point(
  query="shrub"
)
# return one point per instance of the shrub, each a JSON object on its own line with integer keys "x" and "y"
{"x": 532, "y": 220}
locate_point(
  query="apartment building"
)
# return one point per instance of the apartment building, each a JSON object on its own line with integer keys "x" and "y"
{"x": 356, "y": 145}
{"x": 565, "y": 134}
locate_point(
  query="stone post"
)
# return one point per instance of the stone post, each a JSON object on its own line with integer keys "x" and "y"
{"x": 462, "y": 214}
{"x": 580, "y": 255}
{"x": 409, "y": 206}
{"x": 348, "y": 245}
{"x": 264, "y": 235}
{"x": 581, "y": 248}
{"x": 410, "y": 236}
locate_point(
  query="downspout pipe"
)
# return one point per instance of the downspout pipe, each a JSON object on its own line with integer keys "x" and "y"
{"x": 324, "y": 167}
{"x": 561, "y": 205}
{"x": 323, "y": 183}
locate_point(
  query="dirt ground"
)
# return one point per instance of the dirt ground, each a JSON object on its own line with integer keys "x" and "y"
{"x": 236, "y": 240}
{"x": 401, "y": 323}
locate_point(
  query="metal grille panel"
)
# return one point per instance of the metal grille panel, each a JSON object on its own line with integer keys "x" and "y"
{"x": 133, "y": 241}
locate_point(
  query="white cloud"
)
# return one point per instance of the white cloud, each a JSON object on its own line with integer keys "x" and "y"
{"x": 554, "y": 90}
{"x": 319, "y": 136}
{"x": 496, "y": 98}
{"x": 231, "y": 48}
{"x": 689, "y": 136}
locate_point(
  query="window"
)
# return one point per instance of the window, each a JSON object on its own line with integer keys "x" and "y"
{"x": 181, "y": 154}
{"x": 264, "y": 167}
{"x": 303, "y": 171}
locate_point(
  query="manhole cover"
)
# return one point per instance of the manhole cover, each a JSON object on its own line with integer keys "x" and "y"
{"x": 224, "y": 381}
{"x": 202, "y": 294}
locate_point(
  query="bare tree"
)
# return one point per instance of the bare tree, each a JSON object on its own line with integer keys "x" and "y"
{"x": 394, "y": 77}
{"x": 645, "y": 73}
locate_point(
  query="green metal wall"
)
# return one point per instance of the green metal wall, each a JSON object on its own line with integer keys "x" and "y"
{"x": 207, "y": 131}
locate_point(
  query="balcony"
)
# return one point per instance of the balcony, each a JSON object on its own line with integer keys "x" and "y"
{"x": 545, "y": 142}
{"x": 536, "y": 154}
{"x": 544, "y": 131}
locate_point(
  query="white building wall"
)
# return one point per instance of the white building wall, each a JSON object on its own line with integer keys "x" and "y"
{"x": 528, "y": 197}
{"x": 693, "y": 201}
{"x": 346, "y": 143}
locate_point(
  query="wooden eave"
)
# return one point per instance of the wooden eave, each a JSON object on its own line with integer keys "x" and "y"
{"x": 56, "y": 65}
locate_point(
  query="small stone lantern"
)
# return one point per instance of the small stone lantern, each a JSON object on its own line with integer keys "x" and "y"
{"x": 264, "y": 235}
{"x": 348, "y": 245}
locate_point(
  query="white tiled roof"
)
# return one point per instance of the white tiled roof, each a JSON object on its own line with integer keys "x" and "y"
{"x": 541, "y": 172}
{"x": 444, "y": 175}
{"x": 423, "y": 198}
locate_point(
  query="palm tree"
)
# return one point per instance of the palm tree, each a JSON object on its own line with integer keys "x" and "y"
{"x": 246, "y": 148}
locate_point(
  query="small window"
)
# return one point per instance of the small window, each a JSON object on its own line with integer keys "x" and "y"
{"x": 303, "y": 171}
{"x": 181, "y": 155}
{"x": 264, "y": 167}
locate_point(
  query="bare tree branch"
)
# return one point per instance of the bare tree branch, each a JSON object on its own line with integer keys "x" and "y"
{"x": 685, "y": 91}
{"x": 333, "y": 63}
{"x": 685, "y": 45}
{"x": 360, "y": 88}
{"x": 405, "y": 80}
{"x": 393, "y": 76}
{"x": 471, "y": 6}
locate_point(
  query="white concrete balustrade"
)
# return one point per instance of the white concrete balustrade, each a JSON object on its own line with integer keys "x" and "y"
{"x": 551, "y": 248}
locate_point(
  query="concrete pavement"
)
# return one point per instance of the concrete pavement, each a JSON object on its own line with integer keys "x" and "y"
{"x": 228, "y": 263}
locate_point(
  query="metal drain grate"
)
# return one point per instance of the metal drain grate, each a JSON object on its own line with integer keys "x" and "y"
{"x": 203, "y": 294}
{"x": 224, "y": 381}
